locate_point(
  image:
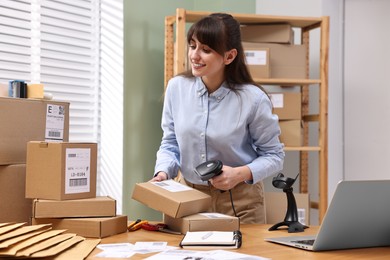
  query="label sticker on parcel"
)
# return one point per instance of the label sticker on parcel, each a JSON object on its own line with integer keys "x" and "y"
{"x": 55, "y": 120}
{"x": 77, "y": 170}
{"x": 254, "y": 57}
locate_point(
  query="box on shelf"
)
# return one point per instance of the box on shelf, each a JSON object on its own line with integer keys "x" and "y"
{"x": 172, "y": 198}
{"x": 203, "y": 222}
{"x": 14, "y": 207}
{"x": 102, "y": 206}
{"x": 276, "y": 207}
{"x": 61, "y": 170}
{"x": 257, "y": 60}
{"x": 87, "y": 227}
{"x": 291, "y": 132}
{"x": 268, "y": 33}
{"x": 285, "y": 60}
{"x": 23, "y": 120}
{"x": 286, "y": 105}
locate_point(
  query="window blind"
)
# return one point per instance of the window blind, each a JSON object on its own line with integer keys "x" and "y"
{"x": 74, "y": 48}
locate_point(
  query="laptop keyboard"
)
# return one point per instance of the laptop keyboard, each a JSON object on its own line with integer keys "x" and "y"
{"x": 309, "y": 242}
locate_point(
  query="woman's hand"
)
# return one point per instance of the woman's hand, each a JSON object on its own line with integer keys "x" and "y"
{"x": 230, "y": 177}
{"x": 161, "y": 176}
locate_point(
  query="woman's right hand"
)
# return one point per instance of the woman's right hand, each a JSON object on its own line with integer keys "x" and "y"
{"x": 161, "y": 176}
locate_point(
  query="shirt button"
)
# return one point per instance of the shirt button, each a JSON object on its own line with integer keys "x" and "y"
{"x": 202, "y": 155}
{"x": 201, "y": 134}
{"x": 199, "y": 94}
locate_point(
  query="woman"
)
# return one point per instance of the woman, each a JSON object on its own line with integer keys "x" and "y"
{"x": 215, "y": 111}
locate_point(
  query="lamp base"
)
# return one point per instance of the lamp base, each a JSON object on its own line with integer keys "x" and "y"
{"x": 293, "y": 226}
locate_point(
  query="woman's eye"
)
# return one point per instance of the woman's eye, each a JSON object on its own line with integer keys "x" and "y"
{"x": 191, "y": 46}
{"x": 206, "y": 50}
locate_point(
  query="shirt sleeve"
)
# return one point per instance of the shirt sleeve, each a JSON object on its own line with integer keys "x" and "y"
{"x": 168, "y": 154}
{"x": 264, "y": 130}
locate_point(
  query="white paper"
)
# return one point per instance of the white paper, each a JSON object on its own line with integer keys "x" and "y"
{"x": 214, "y": 215}
{"x": 277, "y": 100}
{"x": 172, "y": 186}
{"x": 209, "y": 255}
{"x": 77, "y": 170}
{"x": 254, "y": 57}
{"x": 55, "y": 121}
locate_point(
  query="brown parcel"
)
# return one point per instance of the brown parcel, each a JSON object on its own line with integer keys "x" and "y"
{"x": 286, "y": 61}
{"x": 88, "y": 227}
{"x": 286, "y": 105}
{"x": 268, "y": 33}
{"x": 203, "y": 222}
{"x": 161, "y": 197}
{"x": 14, "y": 207}
{"x": 94, "y": 207}
{"x": 24, "y": 120}
{"x": 291, "y": 132}
{"x": 258, "y": 61}
{"x": 61, "y": 171}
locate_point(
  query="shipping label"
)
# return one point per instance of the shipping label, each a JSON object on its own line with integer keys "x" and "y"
{"x": 77, "y": 170}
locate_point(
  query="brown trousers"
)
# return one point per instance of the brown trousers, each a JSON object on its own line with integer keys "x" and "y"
{"x": 248, "y": 200}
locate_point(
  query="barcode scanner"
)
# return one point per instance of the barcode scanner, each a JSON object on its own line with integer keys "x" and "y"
{"x": 209, "y": 169}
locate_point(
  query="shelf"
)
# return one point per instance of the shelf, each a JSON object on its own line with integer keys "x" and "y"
{"x": 303, "y": 148}
{"x": 288, "y": 82}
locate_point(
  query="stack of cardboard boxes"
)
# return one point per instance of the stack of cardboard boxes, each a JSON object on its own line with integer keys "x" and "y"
{"x": 271, "y": 53}
{"x": 61, "y": 180}
{"x": 44, "y": 178}
{"x": 183, "y": 207}
{"x": 23, "y": 120}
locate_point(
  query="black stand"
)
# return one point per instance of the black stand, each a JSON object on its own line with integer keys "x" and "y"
{"x": 291, "y": 218}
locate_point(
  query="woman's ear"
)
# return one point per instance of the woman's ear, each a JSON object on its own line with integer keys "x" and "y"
{"x": 230, "y": 56}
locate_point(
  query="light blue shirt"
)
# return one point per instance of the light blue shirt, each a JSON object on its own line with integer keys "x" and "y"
{"x": 237, "y": 128}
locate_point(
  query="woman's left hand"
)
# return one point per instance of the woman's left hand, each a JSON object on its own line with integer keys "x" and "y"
{"x": 230, "y": 177}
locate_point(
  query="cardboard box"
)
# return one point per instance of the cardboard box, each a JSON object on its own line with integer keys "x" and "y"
{"x": 291, "y": 132}
{"x": 276, "y": 207}
{"x": 203, "y": 222}
{"x": 94, "y": 207}
{"x": 268, "y": 33}
{"x": 286, "y": 61}
{"x": 257, "y": 60}
{"x": 172, "y": 198}
{"x": 87, "y": 227}
{"x": 14, "y": 207}
{"x": 61, "y": 171}
{"x": 287, "y": 105}
{"x": 23, "y": 120}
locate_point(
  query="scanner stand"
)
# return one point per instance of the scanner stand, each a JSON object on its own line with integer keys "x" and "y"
{"x": 291, "y": 218}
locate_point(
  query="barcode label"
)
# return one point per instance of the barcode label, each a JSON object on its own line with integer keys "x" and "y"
{"x": 54, "y": 134}
{"x": 72, "y": 155}
{"x": 78, "y": 182}
{"x": 254, "y": 57}
{"x": 302, "y": 216}
{"x": 249, "y": 54}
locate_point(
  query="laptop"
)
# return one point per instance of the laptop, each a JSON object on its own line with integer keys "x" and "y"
{"x": 358, "y": 216}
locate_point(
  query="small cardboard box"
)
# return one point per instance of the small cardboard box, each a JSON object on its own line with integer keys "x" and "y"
{"x": 203, "y": 222}
{"x": 285, "y": 60}
{"x": 87, "y": 227}
{"x": 172, "y": 198}
{"x": 14, "y": 207}
{"x": 268, "y": 33}
{"x": 61, "y": 171}
{"x": 94, "y": 207}
{"x": 291, "y": 132}
{"x": 257, "y": 60}
{"x": 23, "y": 120}
{"x": 276, "y": 207}
{"x": 287, "y": 105}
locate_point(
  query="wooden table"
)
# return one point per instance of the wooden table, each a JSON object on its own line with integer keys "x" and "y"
{"x": 254, "y": 244}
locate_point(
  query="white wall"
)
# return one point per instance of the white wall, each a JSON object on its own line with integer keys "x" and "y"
{"x": 367, "y": 89}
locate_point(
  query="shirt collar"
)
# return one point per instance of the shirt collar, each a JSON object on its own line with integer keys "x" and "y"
{"x": 219, "y": 94}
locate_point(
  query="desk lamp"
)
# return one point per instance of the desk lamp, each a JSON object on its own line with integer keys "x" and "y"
{"x": 291, "y": 218}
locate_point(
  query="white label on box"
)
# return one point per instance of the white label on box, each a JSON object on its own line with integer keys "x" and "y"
{"x": 256, "y": 57}
{"x": 77, "y": 170}
{"x": 171, "y": 185}
{"x": 277, "y": 100}
{"x": 55, "y": 120}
